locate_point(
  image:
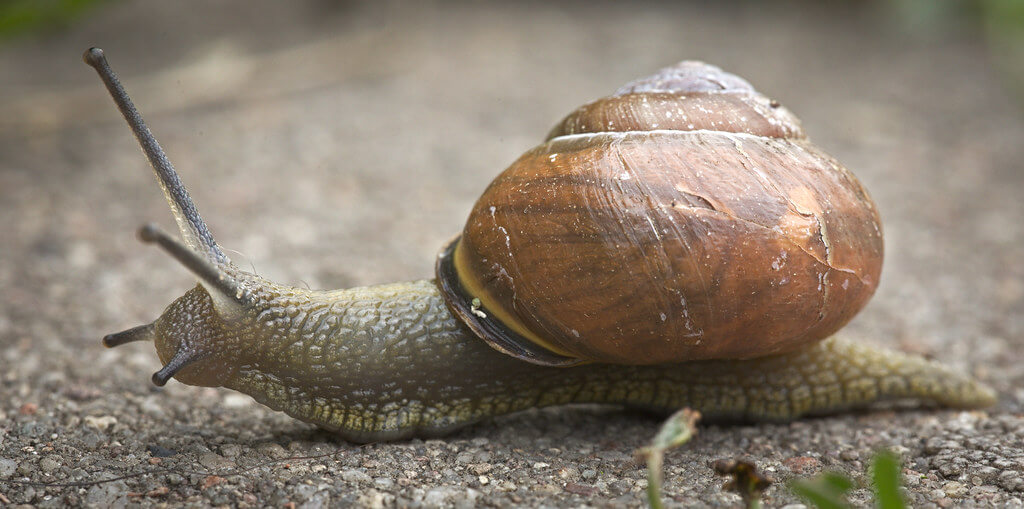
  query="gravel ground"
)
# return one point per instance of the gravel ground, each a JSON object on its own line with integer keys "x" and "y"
{"x": 333, "y": 144}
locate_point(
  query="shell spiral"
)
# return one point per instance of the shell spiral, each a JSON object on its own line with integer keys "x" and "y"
{"x": 684, "y": 217}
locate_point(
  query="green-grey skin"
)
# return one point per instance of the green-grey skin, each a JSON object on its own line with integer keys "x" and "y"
{"x": 390, "y": 361}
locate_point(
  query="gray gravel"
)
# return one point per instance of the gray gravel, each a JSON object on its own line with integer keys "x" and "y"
{"x": 333, "y": 144}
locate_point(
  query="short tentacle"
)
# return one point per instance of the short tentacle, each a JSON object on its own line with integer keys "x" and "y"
{"x": 139, "y": 333}
{"x": 212, "y": 276}
{"x": 182, "y": 358}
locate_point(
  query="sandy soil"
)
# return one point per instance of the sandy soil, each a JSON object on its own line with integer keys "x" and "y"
{"x": 333, "y": 144}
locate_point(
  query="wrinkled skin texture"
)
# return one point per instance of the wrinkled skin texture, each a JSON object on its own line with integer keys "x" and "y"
{"x": 390, "y": 361}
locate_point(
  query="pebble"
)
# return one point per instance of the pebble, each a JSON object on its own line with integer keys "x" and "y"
{"x": 481, "y": 468}
{"x": 231, "y": 450}
{"x": 214, "y": 461}
{"x": 211, "y": 481}
{"x": 160, "y": 452}
{"x": 954, "y": 489}
{"x": 440, "y": 495}
{"x": 272, "y": 450}
{"x": 100, "y": 423}
{"x": 356, "y": 476}
{"x": 105, "y": 495}
{"x": 374, "y": 499}
{"x": 49, "y": 464}
{"x": 580, "y": 489}
{"x": 802, "y": 464}
{"x": 620, "y": 487}
{"x": 7, "y": 467}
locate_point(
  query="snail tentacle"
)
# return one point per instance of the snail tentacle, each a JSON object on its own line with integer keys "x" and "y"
{"x": 191, "y": 224}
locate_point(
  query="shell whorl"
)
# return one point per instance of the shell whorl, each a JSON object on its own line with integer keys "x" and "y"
{"x": 688, "y": 96}
{"x": 685, "y": 217}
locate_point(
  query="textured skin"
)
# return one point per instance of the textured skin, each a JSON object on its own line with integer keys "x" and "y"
{"x": 390, "y": 361}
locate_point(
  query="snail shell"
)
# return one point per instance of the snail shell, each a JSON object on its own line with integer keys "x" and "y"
{"x": 684, "y": 217}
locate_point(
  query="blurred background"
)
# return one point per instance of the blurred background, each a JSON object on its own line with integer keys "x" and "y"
{"x": 999, "y": 24}
{"x": 332, "y": 143}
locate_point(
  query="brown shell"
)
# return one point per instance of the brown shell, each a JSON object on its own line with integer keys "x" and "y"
{"x": 686, "y": 217}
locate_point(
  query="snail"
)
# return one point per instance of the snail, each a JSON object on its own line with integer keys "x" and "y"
{"x": 678, "y": 243}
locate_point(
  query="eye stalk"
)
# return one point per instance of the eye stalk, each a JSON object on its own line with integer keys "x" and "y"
{"x": 140, "y": 333}
{"x": 191, "y": 224}
{"x": 211, "y": 275}
{"x": 199, "y": 252}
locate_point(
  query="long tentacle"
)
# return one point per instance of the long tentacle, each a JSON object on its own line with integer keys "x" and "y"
{"x": 193, "y": 229}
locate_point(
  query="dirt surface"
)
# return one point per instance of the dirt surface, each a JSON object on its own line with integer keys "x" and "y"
{"x": 332, "y": 144}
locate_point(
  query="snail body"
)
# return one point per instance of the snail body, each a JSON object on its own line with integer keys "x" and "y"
{"x": 664, "y": 281}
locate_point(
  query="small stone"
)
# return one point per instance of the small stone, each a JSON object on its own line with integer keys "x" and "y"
{"x": 374, "y": 499}
{"x": 82, "y": 393}
{"x": 28, "y": 409}
{"x": 214, "y": 461}
{"x": 620, "y": 487}
{"x": 589, "y": 474}
{"x": 549, "y": 489}
{"x": 158, "y": 492}
{"x": 100, "y": 423}
{"x": 212, "y": 480}
{"x": 506, "y": 486}
{"x": 106, "y": 495}
{"x": 849, "y": 455}
{"x": 231, "y": 450}
{"x": 464, "y": 458}
{"x": 802, "y": 464}
{"x": 467, "y": 500}
{"x": 7, "y": 467}
{"x": 160, "y": 452}
{"x": 1011, "y": 481}
{"x": 356, "y": 476}
{"x": 540, "y": 465}
{"x": 481, "y": 468}
{"x": 273, "y": 450}
{"x": 954, "y": 489}
{"x": 580, "y": 489}
{"x": 383, "y": 483}
{"x": 49, "y": 464}
{"x": 483, "y": 480}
